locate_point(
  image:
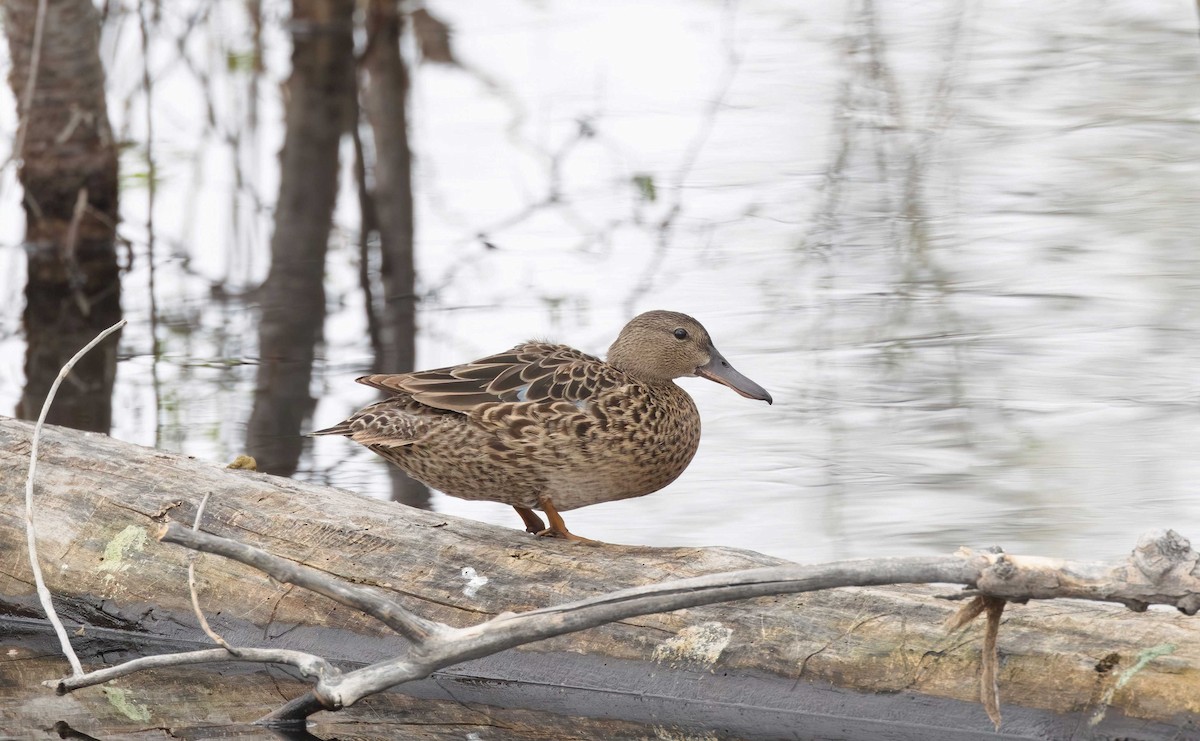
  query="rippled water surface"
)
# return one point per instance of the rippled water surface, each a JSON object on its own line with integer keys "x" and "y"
{"x": 957, "y": 241}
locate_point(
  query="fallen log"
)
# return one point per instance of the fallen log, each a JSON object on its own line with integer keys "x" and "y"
{"x": 857, "y": 656}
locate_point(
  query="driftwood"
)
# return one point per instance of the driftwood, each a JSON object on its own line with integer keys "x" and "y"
{"x": 1066, "y": 668}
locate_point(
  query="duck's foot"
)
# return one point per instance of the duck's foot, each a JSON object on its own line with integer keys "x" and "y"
{"x": 558, "y": 528}
{"x": 533, "y": 523}
{"x": 567, "y": 535}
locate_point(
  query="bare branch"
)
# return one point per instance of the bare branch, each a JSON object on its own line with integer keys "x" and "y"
{"x": 389, "y": 613}
{"x": 508, "y": 630}
{"x": 1014, "y": 577}
{"x": 308, "y": 664}
{"x": 193, "y": 557}
{"x": 30, "y": 532}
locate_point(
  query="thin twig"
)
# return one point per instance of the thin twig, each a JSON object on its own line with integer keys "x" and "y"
{"x": 309, "y": 665}
{"x": 192, "y": 558}
{"x": 30, "y": 532}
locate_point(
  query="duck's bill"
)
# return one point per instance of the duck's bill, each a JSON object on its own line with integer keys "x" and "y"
{"x": 718, "y": 369}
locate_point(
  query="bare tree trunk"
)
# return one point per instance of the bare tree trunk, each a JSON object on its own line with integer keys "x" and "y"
{"x": 384, "y": 99}
{"x": 69, "y": 172}
{"x": 320, "y": 100}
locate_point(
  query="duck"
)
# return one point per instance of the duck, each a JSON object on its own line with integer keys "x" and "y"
{"x": 543, "y": 426}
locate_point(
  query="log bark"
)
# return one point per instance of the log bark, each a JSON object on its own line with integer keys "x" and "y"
{"x": 865, "y": 658}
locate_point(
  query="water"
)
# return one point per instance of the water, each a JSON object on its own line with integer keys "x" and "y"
{"x": 955, "y": 241}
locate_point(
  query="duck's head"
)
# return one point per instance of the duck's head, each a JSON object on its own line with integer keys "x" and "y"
{"x": 659, "y": 346}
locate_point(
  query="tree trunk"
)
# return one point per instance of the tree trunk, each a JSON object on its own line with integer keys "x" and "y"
{"x": 69, "y": 172}
{"x": 874, "y": 659}
{"x": 320, "y": 100}
{"x": 385, "y": 102}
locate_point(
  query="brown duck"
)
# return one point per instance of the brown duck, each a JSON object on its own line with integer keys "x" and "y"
{"x": 546, "y": 426}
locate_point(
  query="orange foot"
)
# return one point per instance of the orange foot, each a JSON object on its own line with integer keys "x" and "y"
{"x": 558, "y": 528}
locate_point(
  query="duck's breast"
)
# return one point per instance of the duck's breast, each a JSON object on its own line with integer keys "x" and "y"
{"x": 633, "y": 443}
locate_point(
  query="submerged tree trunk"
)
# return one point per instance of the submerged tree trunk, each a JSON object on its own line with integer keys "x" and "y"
{"x": 320, "y": 100}
{"x": 385, "y": 102}
{"x": 68, "y": 168}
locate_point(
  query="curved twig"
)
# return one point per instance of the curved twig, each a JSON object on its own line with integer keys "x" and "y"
{"x": 30, "y": 532}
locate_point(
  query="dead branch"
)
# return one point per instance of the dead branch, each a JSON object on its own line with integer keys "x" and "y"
{"x": 412, "y": 627}
{"x": 1162, "y": 570}
{"x": 208, "y": 631}
{"x": 308, "y": 664}
{"x": 30, "y": 531}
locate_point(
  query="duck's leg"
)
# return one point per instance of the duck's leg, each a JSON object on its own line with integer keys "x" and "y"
{"x": 558, "y": 528}
{"x": 533, "y": 523}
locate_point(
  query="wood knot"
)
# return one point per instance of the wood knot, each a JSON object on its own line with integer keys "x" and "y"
{"x": 1160, "y": 551}
{"x": 1002, "y": 568}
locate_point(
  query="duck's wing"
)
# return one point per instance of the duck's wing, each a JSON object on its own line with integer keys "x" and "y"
{"x": 535, "y": 372}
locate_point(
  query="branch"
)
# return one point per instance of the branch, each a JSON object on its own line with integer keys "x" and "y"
{"x": 208, "y": 631}
{"x": 367, "y": 600}
{"x": 508, "y": 630}
{"x": 30, "y": 532}
{"x": 308, "y": 664}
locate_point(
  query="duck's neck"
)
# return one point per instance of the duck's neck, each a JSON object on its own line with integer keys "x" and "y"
{"x": 639, "y": 367}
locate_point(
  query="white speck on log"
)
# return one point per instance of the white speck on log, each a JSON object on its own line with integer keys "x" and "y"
{"x": 474, "y": 581}
{"x": 695, "y": 645}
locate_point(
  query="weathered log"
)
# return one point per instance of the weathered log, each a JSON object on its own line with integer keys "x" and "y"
{"x": 740, "y": 667}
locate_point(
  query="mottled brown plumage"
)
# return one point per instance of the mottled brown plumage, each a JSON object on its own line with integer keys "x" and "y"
{"x": 546, "y": 426}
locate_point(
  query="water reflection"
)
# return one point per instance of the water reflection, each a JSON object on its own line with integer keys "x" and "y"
{"x": 320, "y": 110}
{"x": 67, "y": 159}
{"x": 958, "y": 239}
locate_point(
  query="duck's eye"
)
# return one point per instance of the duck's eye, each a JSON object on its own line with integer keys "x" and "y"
{"x": 681, "y": 334}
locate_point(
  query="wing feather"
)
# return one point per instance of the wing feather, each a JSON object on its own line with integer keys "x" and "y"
{"x": 534, "y": 372}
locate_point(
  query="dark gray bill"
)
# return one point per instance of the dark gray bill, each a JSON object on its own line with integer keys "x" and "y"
{"x": 718, "y": 369}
